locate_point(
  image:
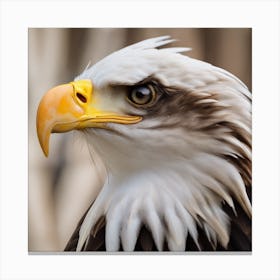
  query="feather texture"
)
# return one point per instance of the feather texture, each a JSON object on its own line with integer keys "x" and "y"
{"x": 179, "y": 179}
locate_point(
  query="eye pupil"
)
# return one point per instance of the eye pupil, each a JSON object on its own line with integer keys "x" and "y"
{"x": 142, "y": 95}
{"x": 139, "y": 94}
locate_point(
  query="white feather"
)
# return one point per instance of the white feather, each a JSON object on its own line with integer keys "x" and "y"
{"x": 172, "y": 175}
{"x": 152, "y": 220}
{"x": 176, "y": 233}
{"x": 130, "y": 230}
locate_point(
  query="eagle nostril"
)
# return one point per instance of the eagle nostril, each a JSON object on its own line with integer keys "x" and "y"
{"x": 82, "y": 97}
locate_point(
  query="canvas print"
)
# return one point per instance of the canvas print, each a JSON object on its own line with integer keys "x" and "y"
{"x": 140, "y": 140}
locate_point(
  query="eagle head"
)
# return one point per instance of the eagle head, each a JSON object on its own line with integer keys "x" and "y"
{"x": 175, "y": 135}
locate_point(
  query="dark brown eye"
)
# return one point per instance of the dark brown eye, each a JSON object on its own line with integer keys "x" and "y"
{"x": 142, "y": 95}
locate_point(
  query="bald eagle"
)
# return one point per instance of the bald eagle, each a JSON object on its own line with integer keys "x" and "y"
{"x": 175, "y": 135}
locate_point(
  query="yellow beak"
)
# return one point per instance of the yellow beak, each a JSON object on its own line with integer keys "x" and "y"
{"x": 72, "y": 106}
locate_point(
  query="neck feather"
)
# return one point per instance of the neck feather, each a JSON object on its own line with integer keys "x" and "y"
{"x": 172, "y": 199}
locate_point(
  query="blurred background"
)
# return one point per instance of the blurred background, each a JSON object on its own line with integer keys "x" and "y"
{"x": 62, "y": 186}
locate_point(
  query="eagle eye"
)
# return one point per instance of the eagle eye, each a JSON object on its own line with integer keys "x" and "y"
{"x": 142, "y": 95}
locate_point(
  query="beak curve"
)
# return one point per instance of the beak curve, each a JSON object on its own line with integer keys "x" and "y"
{"x": 70, "y": 106}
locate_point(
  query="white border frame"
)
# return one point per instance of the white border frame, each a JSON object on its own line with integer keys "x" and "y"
{"x": 18, "y": 16}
